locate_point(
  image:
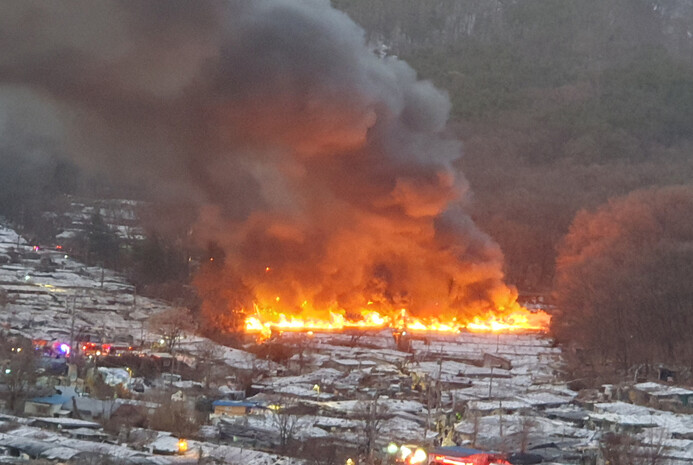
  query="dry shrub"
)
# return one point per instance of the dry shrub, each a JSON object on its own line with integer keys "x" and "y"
{"x": 176, "y": 418}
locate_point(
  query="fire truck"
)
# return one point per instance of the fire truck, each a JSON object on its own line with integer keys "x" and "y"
{"x": 455, "y": 455}
{"x": 97, "y": 349}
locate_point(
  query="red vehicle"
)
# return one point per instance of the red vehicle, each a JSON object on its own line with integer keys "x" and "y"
{"x": 97, "y": 349}
{"x": 465, "y": 456}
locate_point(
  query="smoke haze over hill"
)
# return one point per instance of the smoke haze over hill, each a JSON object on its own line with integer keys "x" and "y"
{"x": 303, "y": 152}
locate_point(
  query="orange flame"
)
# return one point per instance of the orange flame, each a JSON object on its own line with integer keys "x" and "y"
{"x": 265, "y": 320}
{"x": 518, "y": 320}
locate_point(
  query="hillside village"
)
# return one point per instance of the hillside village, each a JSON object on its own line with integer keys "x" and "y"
{"x": 129, "y": 395}
{"x": 168, "y": 168}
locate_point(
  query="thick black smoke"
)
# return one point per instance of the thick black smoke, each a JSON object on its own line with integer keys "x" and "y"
{"x": 302, "y": 150}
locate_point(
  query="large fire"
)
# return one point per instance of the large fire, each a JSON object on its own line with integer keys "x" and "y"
{"x": 265, "y": 320}
{"x": 324, "y": 177}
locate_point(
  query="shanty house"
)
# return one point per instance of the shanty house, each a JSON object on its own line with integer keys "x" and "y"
{"x": 494, "y": 361}
{"x": 234, "y": 407}
{"x": 50, "y": 406}
{"x": 64, "y": 424}
{"x": 346, "y": 365}
{"x": 662, "y": 393}
{"x": 620, "y": 417}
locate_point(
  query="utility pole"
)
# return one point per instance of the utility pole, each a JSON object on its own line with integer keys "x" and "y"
{"x": 72, "y": 324}
{"x": 432, "y": 397}
{"x": 500, "y": 419}
{"x": 73, "y": 350}
{"x": 490, "y": 383}
{"x": 439, "y": 391}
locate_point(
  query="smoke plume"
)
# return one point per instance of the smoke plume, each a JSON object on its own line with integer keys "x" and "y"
{"x": 320, "y": 168}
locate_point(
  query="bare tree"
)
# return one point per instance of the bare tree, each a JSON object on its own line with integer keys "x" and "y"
{"x": 433, "y": 396}
{"x": 475, "y": 428}
{"x": 224, "y": 296}
{"x": 19, "y": 372}
{"x": 622, "y": 449}
{"x": 654, "y": 453}
{"x": 172, "y": 325}
{"x": 174, "y": 417}
{"x": 373, "y": 414}
{"x": 285, "y": 423}
{"x": 207, "y": 357}
{"x": 303, "y": 345}
{"x": 527, "y": 426}
{"x": 623, "y": 282}
{"x": 4, "y": 299}
{"x": 618, "y": 449}
{"x": 325, "y": 452}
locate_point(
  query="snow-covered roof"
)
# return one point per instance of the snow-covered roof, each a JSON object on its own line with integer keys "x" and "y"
{"x": 352, "y": 407}
{"x": 68, "y": 423}
{"x": 662, "y": 390}
{"x": 165, "y": 443}
{"x": 491, "y": 405}
{"x": 348, "y": 362}
{"x": 538, "y": 399}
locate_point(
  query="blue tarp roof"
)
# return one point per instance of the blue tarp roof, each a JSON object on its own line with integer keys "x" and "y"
{"x": 233, "y": 403}
{"x": 55, "y": 399}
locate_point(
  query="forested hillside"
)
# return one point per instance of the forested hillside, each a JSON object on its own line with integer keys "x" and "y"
{"x": 562, "y": 104}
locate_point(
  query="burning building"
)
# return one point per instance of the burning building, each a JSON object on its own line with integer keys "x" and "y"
{"x": 323, "y": 171}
